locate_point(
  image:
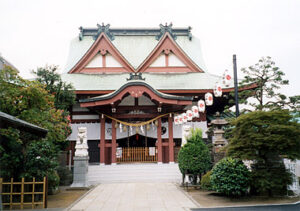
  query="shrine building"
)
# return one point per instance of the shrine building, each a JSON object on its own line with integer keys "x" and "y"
{"x": 132, "y": 83}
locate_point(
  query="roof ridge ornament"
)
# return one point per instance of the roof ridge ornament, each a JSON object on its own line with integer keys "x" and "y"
{"x": 105, "y": 29}
{"x": 135, "y": 76}
{"x": 166, "y": 28}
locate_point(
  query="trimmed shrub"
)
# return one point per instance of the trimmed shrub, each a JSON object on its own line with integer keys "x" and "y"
{"x": 230, "y": 177}
{"x": 205, "y": 181}
{"x": 194, "y": 157}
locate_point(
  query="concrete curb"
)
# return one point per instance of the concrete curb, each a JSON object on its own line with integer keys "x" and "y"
{"x": 241, "y": 206}
{"x": 81, "y": 197}
{"x": 187, "y": 195}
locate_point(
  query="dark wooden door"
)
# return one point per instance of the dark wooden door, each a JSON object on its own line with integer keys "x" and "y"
{"x": 94, "y": 152}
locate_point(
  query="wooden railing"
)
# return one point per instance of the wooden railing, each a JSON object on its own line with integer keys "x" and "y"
{"x": 136, "y": 154}
{"x": 23, "y": 193}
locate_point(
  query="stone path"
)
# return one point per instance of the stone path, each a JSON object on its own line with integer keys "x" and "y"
{"x": 135, "y": 196}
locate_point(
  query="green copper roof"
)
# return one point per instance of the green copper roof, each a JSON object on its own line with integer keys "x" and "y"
{"x": 136, "y": 47}
{"x": 183, "y": 81}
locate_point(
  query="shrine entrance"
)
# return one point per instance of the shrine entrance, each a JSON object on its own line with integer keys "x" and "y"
{"x": 136, "y": 148}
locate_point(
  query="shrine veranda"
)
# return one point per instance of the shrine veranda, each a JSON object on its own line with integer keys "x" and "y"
{"x": 131, "y": 83}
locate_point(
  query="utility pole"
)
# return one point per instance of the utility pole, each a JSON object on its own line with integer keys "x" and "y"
{"x": 236, "y": 96}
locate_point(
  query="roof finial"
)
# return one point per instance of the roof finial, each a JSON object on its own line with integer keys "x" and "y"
{"x": 164, "y": 29}
{"x": 104, "y": 28}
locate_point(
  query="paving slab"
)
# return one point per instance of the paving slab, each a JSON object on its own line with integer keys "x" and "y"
{"x": 135, "y": 196}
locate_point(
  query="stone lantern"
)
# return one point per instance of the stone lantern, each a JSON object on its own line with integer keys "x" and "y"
{"x": 219, "y": 141}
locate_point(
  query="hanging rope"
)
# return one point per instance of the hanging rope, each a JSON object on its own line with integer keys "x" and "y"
{"x": 136, "y": 124}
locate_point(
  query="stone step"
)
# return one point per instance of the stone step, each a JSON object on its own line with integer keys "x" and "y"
{"x": 134, "y": 173}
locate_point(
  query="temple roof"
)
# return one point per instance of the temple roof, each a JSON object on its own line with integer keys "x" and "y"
{"x": 136, "y": 83}
{"x": 159, "y": 81}
{"x": 135, "y": 44}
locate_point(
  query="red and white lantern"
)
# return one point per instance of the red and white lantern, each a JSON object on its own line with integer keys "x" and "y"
{"x": 184, "y": 117}
{"x": 201, "y": 106}
{"x": 180, "y": 119}
{"x": 226, "y": 78}
{"x": 190, "y": 115}
{"x": 195, "y": 111}
{"x": 218, "y": 90}
{"x": 176, "y": 120}
{"x": 208, "y": 99}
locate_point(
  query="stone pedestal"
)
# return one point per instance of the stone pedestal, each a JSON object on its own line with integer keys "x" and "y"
{"x": 80, "y": 179}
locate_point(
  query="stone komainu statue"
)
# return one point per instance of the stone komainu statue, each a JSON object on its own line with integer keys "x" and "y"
{"x": 81, "y": 148}
{"x": 185, "y": 134}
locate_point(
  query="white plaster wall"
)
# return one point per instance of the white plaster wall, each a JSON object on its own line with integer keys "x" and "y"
{"x": 77, "y": 107}
{"x": 111, "y": 61}
{"x": 94, "y": 133}
{"x": 96, "y": 61}
{"x": 160, "y": 61}
{"x": 174, "y": 61}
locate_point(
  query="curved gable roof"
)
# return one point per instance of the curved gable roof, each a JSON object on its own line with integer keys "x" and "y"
{"x": 136, "y": 88}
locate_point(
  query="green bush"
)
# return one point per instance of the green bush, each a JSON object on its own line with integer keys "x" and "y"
{"x": 271, "y": 178}
{"x": 205, "y": 181}
{"x": 65, "y": 175}
{"x": 53, "y": 182}
{"x": 230, "y": 177}
{"x": 194, "y": 157}
{"x": 41, "y": 161}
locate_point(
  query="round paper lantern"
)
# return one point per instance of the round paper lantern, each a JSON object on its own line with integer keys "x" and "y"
{"x": 218, "y": 90}
{"x": 184, "y": 117}
{"x": 180, "y": 120}
{"x": 195, "y": 111}
{"x": 176, "y": 120}
{"x": 226, "y": 78}
{"x": 208, "y": 99}
{"x": 190, "y": 115}
{"x": 201, "y": 105}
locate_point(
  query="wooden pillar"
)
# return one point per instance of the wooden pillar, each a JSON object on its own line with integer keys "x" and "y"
{"x": 113, "y": 142}
{"x": 159, "y": 142}
{"x": 171, "y": 142}
{"x": 102, "y": 140}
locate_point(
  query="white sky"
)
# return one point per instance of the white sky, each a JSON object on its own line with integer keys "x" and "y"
{"x": 38, "y": 32}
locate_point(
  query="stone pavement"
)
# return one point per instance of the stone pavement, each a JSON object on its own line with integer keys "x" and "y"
{"x": 135, "y": 196}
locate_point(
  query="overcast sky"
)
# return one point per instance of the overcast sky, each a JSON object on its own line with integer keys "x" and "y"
{"x": 38, "y": 32}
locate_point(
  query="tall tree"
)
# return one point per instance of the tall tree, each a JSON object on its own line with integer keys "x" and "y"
{"x": 269, "y": 79}
{"x": 265, "y": 137}
{"x": 63, "y": 92}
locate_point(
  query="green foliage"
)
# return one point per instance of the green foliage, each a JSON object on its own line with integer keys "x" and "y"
{"x": 194, "y": 157}
{"x": 205, "y": 181}
{"x": 265, "y": 137}
{"x": 62, "y": 91}
{"x": 230, "y": 177}
{"x": 29, "y": 101}
{"x": 271, "y": 178}
{"x": 257, "y": 134}
{"x": 40, "y": 157}
{"x": 10, "y": 156}
{"x": 22, "y": 153}
{"x": 268, "y": 78}
{"x": 65, "y": 175}
{"x": 53, "y": 181}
